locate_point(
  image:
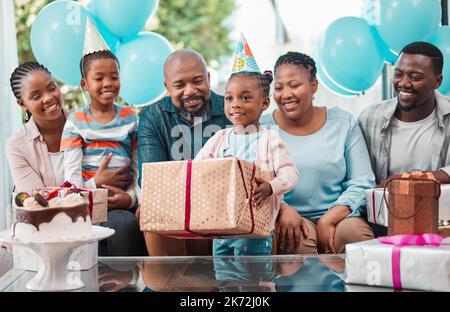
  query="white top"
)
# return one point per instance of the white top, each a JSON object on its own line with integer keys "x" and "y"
{"x": 411, "y": 144}
{"x": 57, "y": 160}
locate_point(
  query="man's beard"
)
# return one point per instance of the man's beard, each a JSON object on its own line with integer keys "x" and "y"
{"x": 408, "y": 108}
{"x": 193, "y": 113}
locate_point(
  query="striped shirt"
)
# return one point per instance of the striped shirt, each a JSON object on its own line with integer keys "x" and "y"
{"x": 86, "y": 143}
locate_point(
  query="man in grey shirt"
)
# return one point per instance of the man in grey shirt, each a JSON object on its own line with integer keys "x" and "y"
{"x": 411, "y": 131}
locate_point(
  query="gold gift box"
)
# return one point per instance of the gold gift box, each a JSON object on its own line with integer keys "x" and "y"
{"x": 203, "y": 198}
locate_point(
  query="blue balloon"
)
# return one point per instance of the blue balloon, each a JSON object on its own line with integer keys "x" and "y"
{"x": 389, "y": 55}
{"x": 141, "y": 67}
{"x": 325, "y": 78}
{"x": 57, "y": 37}
{"x": 331, "y": 85}
{"x": 111, "y": 40}
{"x": 442, "y": 41}
{"x": 401, "y": 22}
{"x": 124, "y": 18}
{"x": 350, "y": 55}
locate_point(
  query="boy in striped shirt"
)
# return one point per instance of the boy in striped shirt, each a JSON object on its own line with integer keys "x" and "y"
{"x": 101, "y": 131}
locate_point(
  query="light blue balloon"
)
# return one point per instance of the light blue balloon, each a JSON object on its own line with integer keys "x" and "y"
{"x": 111, "y": 40}
{"x": 124, "y": 18}
{"x": 328, "y": 83}
{"x": 325, "y": 79}
{"x": 350, "y": 54}
{"x": 141, "y": 68}
{"x": 57, "y": 37}
{"x": 389, "y": 55}
{"x": 442, "y": 41}
{"x": 400, "y": 22}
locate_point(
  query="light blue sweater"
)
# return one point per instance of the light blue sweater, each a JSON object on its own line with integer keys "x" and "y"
{"x": 333, "y": 163}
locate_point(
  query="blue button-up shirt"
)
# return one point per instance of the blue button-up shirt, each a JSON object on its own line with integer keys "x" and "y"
{"x": 165, "y": 135}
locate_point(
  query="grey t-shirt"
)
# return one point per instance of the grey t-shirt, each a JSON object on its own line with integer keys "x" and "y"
{"x": 411, "y": 144}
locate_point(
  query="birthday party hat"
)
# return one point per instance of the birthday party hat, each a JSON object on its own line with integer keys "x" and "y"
{"x": 243, "y": 58}
{"x": 93, "y": 41}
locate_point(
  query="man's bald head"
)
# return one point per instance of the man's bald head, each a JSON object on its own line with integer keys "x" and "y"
{"x": 186, "y": 79}
{"x": 183, "y": 56}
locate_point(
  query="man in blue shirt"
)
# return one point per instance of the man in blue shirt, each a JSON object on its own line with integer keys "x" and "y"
{"x": 176, "y": 128}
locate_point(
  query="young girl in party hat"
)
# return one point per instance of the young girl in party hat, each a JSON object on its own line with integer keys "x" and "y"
{"x": 246, "y": 97}
{"x": 103, "y": 134}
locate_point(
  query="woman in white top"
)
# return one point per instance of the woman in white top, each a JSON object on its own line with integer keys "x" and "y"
{"x": 35, "y": 159}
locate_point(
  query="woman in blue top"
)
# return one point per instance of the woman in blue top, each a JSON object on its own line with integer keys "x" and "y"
{"x": 322, "y": 213}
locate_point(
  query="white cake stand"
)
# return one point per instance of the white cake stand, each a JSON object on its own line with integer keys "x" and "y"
{"x": 53, "y": 274}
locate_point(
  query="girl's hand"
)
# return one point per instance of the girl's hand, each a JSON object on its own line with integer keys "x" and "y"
{"x": 137, "y": 214}
{"x": 261, "y": 192}
{"x": 117, "y": 199}
{"x": 119, "y": 177}
{"x": 289, "y": 228}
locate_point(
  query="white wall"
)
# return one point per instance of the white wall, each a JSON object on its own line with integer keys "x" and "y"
{"x": 10, "y": 114}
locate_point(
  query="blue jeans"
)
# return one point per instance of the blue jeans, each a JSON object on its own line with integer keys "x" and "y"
{"x": 242, "y": 246}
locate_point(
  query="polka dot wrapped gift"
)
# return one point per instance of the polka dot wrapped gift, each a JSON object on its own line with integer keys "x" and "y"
{"x": 203, "y": 199}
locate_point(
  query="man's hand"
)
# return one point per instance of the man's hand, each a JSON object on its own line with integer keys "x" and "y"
{"x": 261, "y": 192}
{"x": 117, "y": 199}
{"x": 290, "y": 225}
{"x": 120, "y": 177}
{"x": 441, "y": 176}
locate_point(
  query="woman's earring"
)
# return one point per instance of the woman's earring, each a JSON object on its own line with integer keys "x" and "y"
{"x": 27, "y": 115}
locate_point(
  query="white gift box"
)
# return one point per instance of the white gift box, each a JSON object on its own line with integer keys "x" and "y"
{"x": 421, "y": 267}
{"x": 378, "y": 214}
{"x": 82, "y": 258}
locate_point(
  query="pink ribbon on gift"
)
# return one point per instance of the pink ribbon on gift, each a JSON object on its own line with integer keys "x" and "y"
{"x": 187, "y": 209}
{"x": 400, "y": 241}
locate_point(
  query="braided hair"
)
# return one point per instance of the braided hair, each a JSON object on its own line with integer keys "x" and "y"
{"x": 21, "y": 72}
{"x": 264, "y": 79}
{"x": 299, "y": 59}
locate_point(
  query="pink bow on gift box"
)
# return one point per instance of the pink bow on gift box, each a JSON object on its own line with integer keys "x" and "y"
{"x": 403, "y": 240}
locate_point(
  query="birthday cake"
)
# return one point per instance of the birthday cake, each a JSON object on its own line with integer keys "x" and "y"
{"x": 51, "y": 215}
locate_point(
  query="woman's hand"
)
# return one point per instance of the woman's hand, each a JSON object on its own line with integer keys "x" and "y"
{"x": 261, "y": 192}
{"x": 290, "y": 225}
{"x": 117, "y": 199}
{"x": 325, "y": 236}
{"x": 326, "y": 227}
{"x": 120, "y": 177}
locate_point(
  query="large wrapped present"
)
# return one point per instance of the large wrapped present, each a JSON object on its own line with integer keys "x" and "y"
{"x": 203, "y": 198}
{"x": 377, "y": 212}
{"x": 402, "y": 262}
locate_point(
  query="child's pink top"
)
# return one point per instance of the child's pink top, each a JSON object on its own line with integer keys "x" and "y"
{"x": 271, "y": 155}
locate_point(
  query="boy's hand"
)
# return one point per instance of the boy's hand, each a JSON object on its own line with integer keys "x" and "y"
{"x": 261, "y": 192}
{"x": 120, "y": 177}
{"x": 117, "y": 199}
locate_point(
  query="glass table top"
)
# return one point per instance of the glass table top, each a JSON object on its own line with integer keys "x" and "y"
{"x": 283, "y": 273}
